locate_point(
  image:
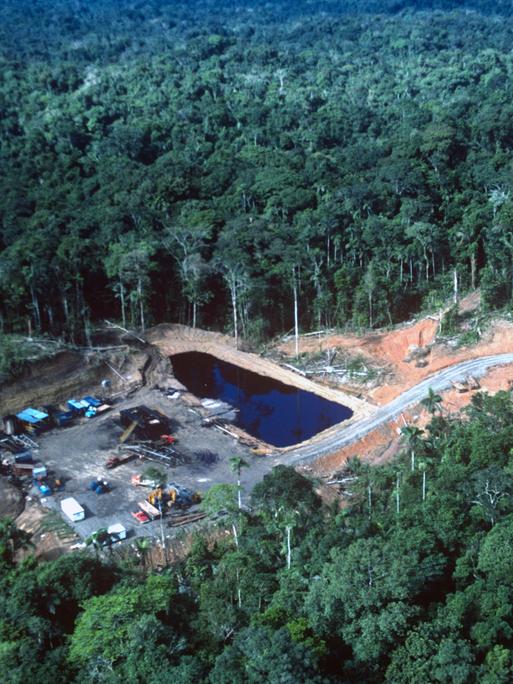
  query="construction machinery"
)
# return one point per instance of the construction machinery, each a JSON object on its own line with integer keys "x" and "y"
{"x": 473, "y": 383}
{"x": 167, "y": 439}
{"x": 115, "y": 461}
{"x": 126, "y": 434}
{"x": 150, "y": 423}
{"x": 172, "y": 495}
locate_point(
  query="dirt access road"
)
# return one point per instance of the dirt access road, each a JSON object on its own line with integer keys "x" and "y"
{"x": 358, "y": 429}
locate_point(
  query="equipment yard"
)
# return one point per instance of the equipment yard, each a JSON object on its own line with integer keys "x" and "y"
{"x": 146, "y": 419}
{"x": 78, "y": 455}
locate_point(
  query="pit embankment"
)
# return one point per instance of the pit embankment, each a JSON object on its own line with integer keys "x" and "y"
{"x": 176, "y": 339}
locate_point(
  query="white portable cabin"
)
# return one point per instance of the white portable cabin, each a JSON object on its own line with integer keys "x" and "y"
{"x": 117, "y": 532}
{"x": 72, "y": 509}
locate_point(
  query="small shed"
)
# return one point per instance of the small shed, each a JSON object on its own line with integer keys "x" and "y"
{"x": 78, "y": 405}
{"x": 33, "y": 420}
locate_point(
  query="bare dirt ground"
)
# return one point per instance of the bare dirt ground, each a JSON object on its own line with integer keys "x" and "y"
{"x": 392, "y": 347}
{"x": 382, "y": 444}
{"x": 51, "y": 537}
{"x": 70, "y": 374}
{"x": 78, "y": 453}
{"x": 11, "y": 500}
{"x": 175, "y": 339}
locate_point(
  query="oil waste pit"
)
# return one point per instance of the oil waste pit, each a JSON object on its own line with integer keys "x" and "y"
{"x": 265, "y": 408}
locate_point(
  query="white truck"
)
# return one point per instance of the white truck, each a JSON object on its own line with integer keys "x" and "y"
{"x": 72, "y": 509}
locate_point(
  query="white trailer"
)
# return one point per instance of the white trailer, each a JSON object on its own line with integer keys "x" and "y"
{"x": 72, "y": 509}
{"x": 117, "y": 532}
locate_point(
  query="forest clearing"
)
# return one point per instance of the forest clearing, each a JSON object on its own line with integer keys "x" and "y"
{"x": 91, "y": 444}
{"x": 256, "y": 341}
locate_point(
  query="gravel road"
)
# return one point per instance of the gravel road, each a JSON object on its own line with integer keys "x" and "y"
{"x": 355, "y": 431}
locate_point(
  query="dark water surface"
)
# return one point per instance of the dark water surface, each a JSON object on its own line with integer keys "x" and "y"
{"x": 276, "y": 413}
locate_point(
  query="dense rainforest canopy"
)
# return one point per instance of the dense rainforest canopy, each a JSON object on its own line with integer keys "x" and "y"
{"x": 188, "y": 161}
{"x": 177, "y": 161}
{"x": 409, "y": 584}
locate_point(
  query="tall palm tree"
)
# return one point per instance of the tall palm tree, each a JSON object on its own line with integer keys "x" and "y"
{"x": 98, "y": 539}
{"x": 236, "y": 465}
{"x": 412, "y": 435}
{"x": 433, "y": 402}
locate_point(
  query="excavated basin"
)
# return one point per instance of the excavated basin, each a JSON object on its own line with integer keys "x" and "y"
{"x": 278, "y": 414}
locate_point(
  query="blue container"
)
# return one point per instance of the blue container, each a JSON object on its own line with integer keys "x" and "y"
{"x": 24, "y": 457}
{"x": 63, "y": 418}
{"x": 92, "y": 401}
{"x": 77, "y": 406}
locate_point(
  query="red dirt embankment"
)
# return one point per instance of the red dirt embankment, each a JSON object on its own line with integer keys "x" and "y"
{"x": 390, "y": 348}
{"x": 383, "y": 444}
{"x": 175, "y": 339}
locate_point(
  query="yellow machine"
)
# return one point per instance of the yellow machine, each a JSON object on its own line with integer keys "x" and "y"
{"x": 162, "y": 496}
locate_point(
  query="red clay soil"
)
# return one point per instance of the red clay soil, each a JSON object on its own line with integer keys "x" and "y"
{"x": 497, "y": 340}
{"x": 390, "y": 348}
{"x": 381, "y": 445}
{"x": 376, "y": 447}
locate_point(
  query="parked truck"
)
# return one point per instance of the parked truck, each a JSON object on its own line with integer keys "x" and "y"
{"x": 72, "y": 509}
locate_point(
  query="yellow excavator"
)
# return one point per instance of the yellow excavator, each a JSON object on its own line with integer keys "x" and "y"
{"x": 163, "y": 497}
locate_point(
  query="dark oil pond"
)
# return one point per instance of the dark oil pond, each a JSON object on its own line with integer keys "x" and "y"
{"x": 275, "y": 413}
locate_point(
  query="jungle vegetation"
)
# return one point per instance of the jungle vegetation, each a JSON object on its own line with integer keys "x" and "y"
{"x": 226, "y": 166}
{"x": 409, "y": 583}
{"x": 215, "y": 164}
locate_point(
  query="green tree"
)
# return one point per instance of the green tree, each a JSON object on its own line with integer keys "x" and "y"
{"x": 236, "y": 465}
{"x": 432, "y": 402}
{"x": 116, "y": 625}
{"x": 413, "y": 437}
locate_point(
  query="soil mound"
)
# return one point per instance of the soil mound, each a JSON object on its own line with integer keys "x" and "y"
{"x": 11, "y": 500}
